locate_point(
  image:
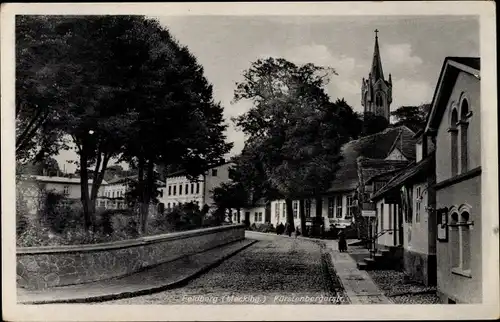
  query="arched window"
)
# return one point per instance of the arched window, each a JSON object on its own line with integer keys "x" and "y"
{"x": 454, "y": 141}
{"x": 454, "y": 239}
{"x": 464, "y": 125}
{"x": 464, "y": 221}
{"x": 378, "y": 100}
{"x": 460, "y": 241}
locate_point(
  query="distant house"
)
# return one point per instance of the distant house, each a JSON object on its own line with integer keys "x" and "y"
{"x": 178, "y": 189}
{"x": 112, "y": 194}
{"x": 404, "y": 215}
{"x": 256, "y": 214}
{"x": 362, "y": 161}
{"x": 33, "y": 185}
{"x": 362, "y": 166}
{"x": 454, "y": 123}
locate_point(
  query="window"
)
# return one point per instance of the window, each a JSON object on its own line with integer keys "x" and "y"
{"x": 169, "y": 190}
{"x": 187, "y": 189}
{"x": 192, "y": 188}
{"x": 175, "y": 190}
{"x": 378, "y": 100}
{"x": 331, "y": 207}
{"x": 66, "y": 190}
{"x": 454, "y": 142}
{"x": 464, "y": 129}
{"x": 277, "y": 210}
{"x": 113, "y": 194}
{"x": 284, "y": 210}
{"x": 168, "y": 205}
{"x": 161, "y": 193}
{"x": 350, "y": 207}
{"x": 382, "y": 215}
{"x": 338, "y": 203}
{"x": 307, "y": 208}
{"x": 197, "y": 187}
{"x": 460, "y": 224}
{"x": 180, "y": 189}
{"x": 214, "y": 172}
{"x": 418, "y": 204}
{"x": 260, "y": 216}
{"x": 295, "y": 209}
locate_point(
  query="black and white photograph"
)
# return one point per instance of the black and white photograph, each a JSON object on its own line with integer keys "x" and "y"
{"x": 308, "y": 161}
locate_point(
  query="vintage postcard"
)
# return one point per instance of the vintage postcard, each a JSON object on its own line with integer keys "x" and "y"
{"x": 249, "y": 161}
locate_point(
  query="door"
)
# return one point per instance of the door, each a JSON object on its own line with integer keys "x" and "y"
{"x": 247, "y": 218}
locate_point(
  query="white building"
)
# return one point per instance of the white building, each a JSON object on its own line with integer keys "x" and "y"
{"x": 112, "y": 193}
{"x": 179, "y": 189}
{"x": 31, "y": 187}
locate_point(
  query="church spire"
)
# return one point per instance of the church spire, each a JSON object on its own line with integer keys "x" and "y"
{"x": 377, "y": 71}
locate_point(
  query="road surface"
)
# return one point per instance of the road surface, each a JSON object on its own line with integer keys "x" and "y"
{"x": 274, "y": 270}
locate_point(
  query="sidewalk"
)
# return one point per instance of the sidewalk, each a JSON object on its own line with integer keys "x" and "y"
{"x": 155, "y": 279}
{"x": 358, "y": 285}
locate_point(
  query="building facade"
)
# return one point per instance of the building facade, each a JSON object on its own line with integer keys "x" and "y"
{"x": 454, "y": 123}
{"x": 405, "y": 216}
{"x": 32, "y": 187}
{"x": 179, "y": 189}
{"x": 376, "y": 92}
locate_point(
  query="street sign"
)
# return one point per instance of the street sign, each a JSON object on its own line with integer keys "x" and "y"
{"x": 368, "y": 213}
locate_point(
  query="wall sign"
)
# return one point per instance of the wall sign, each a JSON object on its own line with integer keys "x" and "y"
{"x": 442, "y": 224}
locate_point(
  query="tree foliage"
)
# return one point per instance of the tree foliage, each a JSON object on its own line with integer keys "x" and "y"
{"x": 414, "y": 117}
{"x": 294, "y": 133}
{"x": 373, "y": 123}
{"x": 118, "y": 86}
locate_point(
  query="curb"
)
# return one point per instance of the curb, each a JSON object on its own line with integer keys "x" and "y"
{"x": 122, "y": 295}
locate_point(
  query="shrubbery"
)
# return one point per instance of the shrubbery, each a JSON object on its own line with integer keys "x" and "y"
{"x": 60, "y": 222}
{"x": 263, "y": 228}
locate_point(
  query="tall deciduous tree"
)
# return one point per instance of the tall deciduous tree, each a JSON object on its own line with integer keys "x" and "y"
{"x": 296, "y": 131}
{"x": 178, "y": 122}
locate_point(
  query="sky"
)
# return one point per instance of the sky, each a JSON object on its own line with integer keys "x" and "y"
{"x": 412, "y": 49}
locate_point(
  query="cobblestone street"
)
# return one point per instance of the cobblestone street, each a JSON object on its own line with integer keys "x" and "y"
{"x": 273, "y": 271}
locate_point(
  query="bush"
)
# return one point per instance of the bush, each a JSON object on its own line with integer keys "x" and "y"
{"x": 263, "y": 228}
{"x": 60, "y": 214}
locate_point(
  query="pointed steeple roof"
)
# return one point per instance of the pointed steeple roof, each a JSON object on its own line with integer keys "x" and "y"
{"x": 377, "y": 71}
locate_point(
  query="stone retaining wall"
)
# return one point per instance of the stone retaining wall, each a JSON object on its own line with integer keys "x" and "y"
{"x": 43, "y": 267}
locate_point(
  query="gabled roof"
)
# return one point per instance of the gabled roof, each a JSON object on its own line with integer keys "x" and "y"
{"x": 130, "y": 178}
{"x": 375, "y": 146}
{"x": 56, "y": 179}
{"x": 424, "y": 167}
{"x": 184, "y": 172}
{"x": 371, "y": 169}
{"x": 406, "y": 149}
{"x": 452, "y": 66}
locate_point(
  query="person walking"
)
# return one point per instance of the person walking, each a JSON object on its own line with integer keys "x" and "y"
{"x": 342, "y": 242}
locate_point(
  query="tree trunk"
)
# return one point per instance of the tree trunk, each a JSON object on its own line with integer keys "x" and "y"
{"x": 98, "y": 178}
{"x": 84, "y": 189}
{"x": 289, "y": 214}
{"x": 148, "y": 189}
{"x": 302, "y": 214}
{"x": 140, "y": 189}
{"x": 319, "y": 214}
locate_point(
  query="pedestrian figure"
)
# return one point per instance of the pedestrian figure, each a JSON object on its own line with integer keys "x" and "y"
{"x": 280, "y": 229}
{"x": 288, "y": 229}
{"x": 342, "y": 242}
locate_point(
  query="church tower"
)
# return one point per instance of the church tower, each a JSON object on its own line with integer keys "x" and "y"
{"x": 376, "y": 92}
